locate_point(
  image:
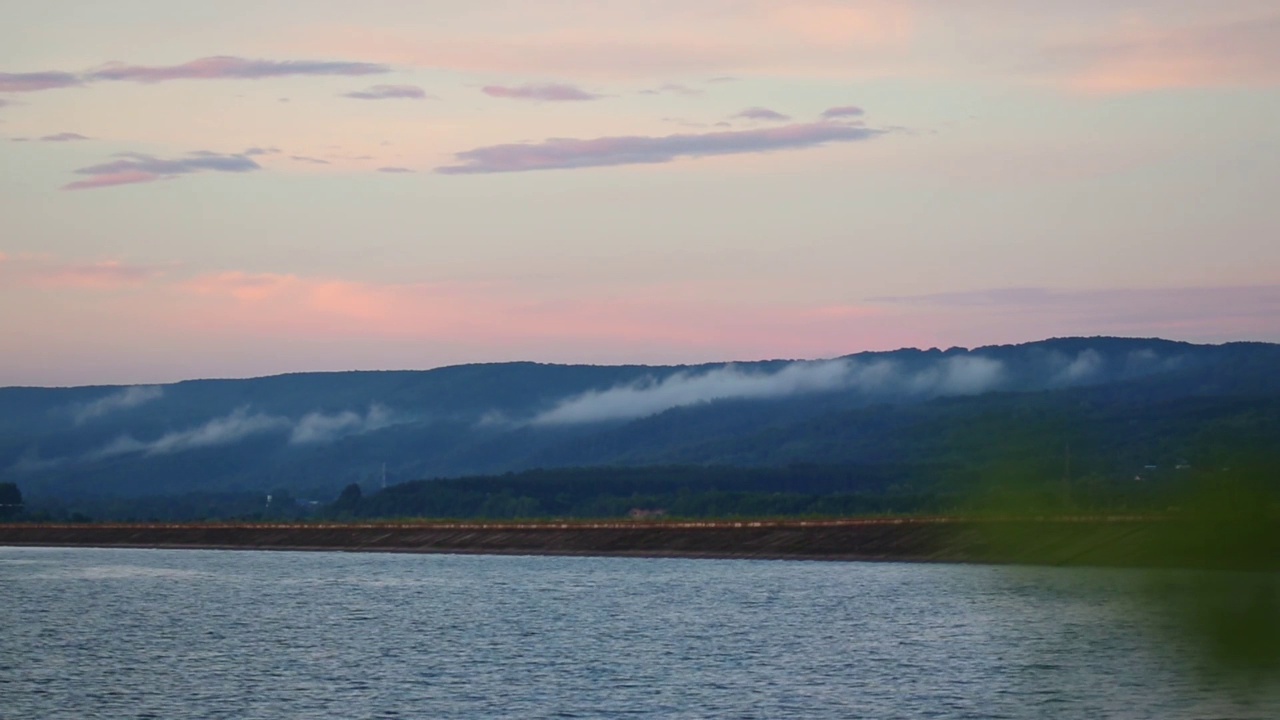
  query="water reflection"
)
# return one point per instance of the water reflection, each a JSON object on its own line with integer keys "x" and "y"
{"x": 341, "y": 635}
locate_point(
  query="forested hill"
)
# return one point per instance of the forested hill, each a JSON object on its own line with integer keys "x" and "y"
{"x": 1118, "y": 404}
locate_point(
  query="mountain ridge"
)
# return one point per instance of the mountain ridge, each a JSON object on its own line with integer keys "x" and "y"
{"x": 315, "y": 432}
{"x": 643, "y": 366}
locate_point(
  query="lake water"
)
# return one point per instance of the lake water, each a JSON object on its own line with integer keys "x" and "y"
{"x": 101, "y": 633}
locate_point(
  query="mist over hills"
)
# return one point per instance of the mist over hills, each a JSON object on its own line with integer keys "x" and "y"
{"x": 1118, "y": 403}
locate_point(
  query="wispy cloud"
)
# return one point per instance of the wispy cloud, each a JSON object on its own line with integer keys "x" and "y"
{"x": 1200, "y": 312}
{"x": 48, "y": 271}
{"x": 1241, "y": 53}
{"x": 650, "y": 396}
{"x": 106, "y": 180}
{"x": 992, "y": 296}
{"x": 640, "y": 323}
{"x": 551, "y": 92}
{"x": 840, "y": 25}
{"x": 1260, "y": 296}
{"x": 388, "y": 92}
{"x": 220, "y": 67}
{"x": 762, "y": 113}
{"x": 227, "y": 67}
{"x": 647, "y": 40}
{"x": 134, "y": 168}
{"x": 124, "y": 399}
{"x": 672, "y": 89}
{"x": 35, "y": 81}
{"x": 64, "y": 137}
{"x": 843, "y": 111}
{"x": 242, "y": 424}
{"x": 563, "y": 153}
{"x": 320, "y": 427}
{"x": 232, "y": 428}
{"x": 243, "y": 286}
{"x": 106, "y": 275}
{"x": 309, "y": 160}
{"x": 31, "y": 462}
{"x": 394, "y": 170}
{"x": 961, "y": 375}
{"x": 266, "y": 294}
{"x": 1084, "y": 366}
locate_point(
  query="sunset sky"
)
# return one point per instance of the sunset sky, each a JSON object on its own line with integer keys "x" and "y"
{"x": 253, "y": 187}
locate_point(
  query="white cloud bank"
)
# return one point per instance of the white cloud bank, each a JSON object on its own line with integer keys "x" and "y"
{"x": 961, "y": 375}
{"x": 232, "y": 428}
{"x": 1085, "y": 365}
{"x": 240, "y": 424}
{"x": 123, "y": 399}
{"x": 322, "y": 428}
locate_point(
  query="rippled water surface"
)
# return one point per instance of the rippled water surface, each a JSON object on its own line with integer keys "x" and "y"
{"x": 87, "y": 633}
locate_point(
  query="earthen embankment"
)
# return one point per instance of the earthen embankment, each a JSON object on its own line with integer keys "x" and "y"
{"x": 1058, "y": 541}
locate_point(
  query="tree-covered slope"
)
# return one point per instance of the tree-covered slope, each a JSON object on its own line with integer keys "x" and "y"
{"x": 1112, "y": 405}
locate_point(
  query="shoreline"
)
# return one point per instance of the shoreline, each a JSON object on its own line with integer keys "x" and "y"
{"x": 1128, "y": 541}
{"x": 498, "y": 552}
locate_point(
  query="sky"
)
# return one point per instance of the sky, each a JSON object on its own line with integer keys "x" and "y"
{"x": 246, "y": 188}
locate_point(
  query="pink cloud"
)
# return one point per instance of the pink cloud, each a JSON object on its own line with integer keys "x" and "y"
{"x": 126, "y": 177}
{"x": 494, "y": 315}
{"x": 35, "y": 81}
{"x": 296, "y": 305}
{"x": 52, "y": 273}
{"x": 877, "y": 22}
{"x": 566, "y": 53}
{"x": 273, "y": 295}
{"x": 656, "y": 39}
{"x": 1092, "y": 46}
{"x": 695, "y": 320}
{"x": 242, "y": 286}
{"x": 134, "y": 168}
{"x": 1245, "y": 53}
{"x": 102, "y": 275}
{"x": 552, "y": 92}
{"x": 239, "y": 322}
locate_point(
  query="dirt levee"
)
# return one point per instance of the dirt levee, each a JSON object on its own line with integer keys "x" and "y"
{"x": 1073, "y": 541}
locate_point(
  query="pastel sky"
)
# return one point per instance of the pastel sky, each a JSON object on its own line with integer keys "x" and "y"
{"x": 251, "y": 187}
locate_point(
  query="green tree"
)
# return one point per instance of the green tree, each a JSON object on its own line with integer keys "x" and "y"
{"x": 10, "y": 500}
{"x": 348, "y": 500}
